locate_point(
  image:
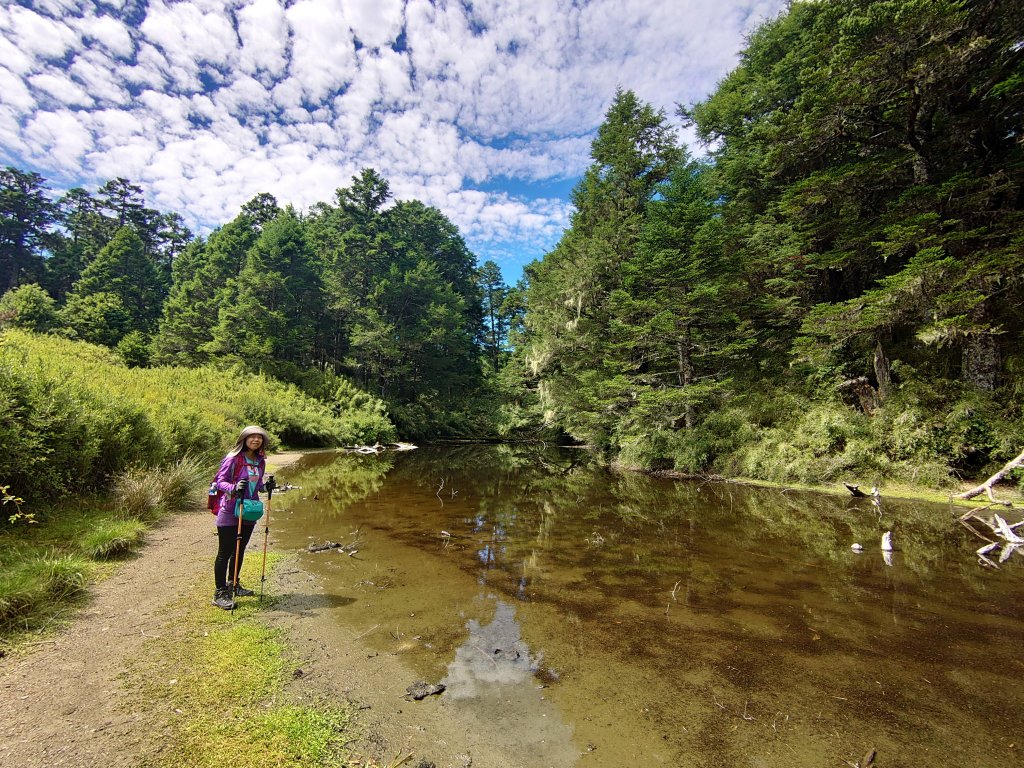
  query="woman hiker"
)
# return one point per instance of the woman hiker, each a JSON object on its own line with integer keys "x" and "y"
{"x": 239, "y": 481}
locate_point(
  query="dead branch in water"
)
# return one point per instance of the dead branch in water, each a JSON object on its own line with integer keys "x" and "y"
{"x": 986, "y": 487}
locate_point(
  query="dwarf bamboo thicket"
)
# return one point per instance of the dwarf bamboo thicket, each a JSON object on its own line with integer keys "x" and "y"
{"x": 75, "y": 415}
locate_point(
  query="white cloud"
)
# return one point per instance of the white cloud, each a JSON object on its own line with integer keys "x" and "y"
{"x": 205, "y": 103}
{"x": 99, "y": 80}
{"x": 323, "y": 52}
{"x": 375, "y": 23}
{"x": 110, "y": 33}
{"x": 58, "y": 138}
{"x": 12, "y": 57}
{"x": 61, "y": 88}
{"x": 15, "y": 93}
{"x": 36, "y": 35}
{"x": 264, "y": 32}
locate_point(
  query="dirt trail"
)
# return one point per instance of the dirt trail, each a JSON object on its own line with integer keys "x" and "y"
{"x": 62, "y": 701}
{"x": 62, "y": 704}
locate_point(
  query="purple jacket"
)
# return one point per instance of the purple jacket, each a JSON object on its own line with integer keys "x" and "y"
{"x": 231, "y": 471}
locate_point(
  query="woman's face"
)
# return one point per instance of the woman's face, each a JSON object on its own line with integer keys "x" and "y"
{"x": 254, "y": 442}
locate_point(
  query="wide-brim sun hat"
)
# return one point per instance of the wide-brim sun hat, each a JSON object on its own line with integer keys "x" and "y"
{"x": 251, "y": 430}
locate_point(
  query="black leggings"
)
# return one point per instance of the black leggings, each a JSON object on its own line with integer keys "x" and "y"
{"x": 224, "y": 565}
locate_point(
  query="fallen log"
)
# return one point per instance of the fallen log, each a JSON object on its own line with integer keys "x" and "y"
{"x": 986, "y": 487}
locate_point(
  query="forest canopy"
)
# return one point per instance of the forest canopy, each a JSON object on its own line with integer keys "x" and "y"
{"x": 831, "y": 288}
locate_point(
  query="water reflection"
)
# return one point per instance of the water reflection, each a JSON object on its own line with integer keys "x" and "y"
{"x": 676, "y": 622}
{"x": 493, "y": 655}
{"x": 495, "y": 674}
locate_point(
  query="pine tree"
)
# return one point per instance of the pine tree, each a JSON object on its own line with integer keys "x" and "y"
{"x": 676, "y": 318}
{"x": 26, "y": 214}
{"x": 199, "y": 284}
{"x": 494, "y": 291}
{"x": 871, "y": 157}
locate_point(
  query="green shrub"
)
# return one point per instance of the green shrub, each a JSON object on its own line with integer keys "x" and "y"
{"x": 133, "y": 349}
{"x": 76, "y": 415}
{"x": 824, "y": 442}
{"x": 947, "y": 423}
{"x": 28, "y": 307}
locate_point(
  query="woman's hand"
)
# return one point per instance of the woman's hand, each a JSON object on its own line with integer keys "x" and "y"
{"x": 240, "y": 486}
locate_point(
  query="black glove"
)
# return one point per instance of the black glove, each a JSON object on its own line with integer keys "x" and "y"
{"x": 241, "y": 486}
{"x": 269, "y": 484}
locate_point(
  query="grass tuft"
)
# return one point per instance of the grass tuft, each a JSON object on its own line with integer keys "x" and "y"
{"x": 144, "y": 494}
{"x": 30, "y": 582}
{"x": 137, "y": 494}
{"x": 179, "y": 482}
{"x": 113, "y": 538}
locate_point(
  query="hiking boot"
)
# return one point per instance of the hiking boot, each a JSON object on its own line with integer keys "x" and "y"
{"x": 241, "y": 591}
{"x": 222, "y": 599}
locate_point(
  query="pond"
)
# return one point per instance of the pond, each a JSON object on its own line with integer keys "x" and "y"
{"x": 599, "y": 619}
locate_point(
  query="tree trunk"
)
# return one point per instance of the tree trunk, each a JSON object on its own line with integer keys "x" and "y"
{"x": 980, "y": 358}
{"x": 980, "y": 361}
{"x": 882, "y": 373}
{"x": 684, "y": 349}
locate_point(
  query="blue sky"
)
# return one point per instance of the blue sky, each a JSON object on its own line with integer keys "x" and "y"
{"x": 485, "y": 109}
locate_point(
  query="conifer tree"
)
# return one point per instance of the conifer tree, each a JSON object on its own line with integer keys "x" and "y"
{"x": 26, "y": 215}
{"x": 265, "y": 316}
{"x": 871, "y": 157}
{"x": 583, "y": 378}
{"x": 122, "y": 269}
{"x": 676, "y": 318}
{"x": 199, "y": 278}
{"x": 495, "y": 325}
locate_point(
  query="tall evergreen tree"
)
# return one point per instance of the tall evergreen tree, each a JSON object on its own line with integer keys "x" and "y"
{"x": 200, "y": 278}
{"x": 494, "y": 291}
{"x": 122, "y": 269}
{"x": 676, "y": 318}
{"x": 570, "y": 318}
{"x": 26, "y": 214}
{"x": 872, "y": 156}
{"x": 353, "y": 250}
{"x": 264, "y": 319}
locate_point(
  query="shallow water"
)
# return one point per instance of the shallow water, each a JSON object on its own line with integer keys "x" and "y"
{"x": 580, "y": 617}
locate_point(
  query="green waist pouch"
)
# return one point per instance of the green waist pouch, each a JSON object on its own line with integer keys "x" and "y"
{"x": 252, "y": 510}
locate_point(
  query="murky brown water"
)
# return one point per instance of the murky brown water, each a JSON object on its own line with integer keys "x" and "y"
{"x": 586, "y": 618}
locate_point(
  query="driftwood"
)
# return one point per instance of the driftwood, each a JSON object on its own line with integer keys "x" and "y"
{"x": 986, "y": 487}
{"x": 378, "y": 448}
{"x": 351, "y": 548}
{"x": 1006, "y": 538}
{"x": 323, "y": 547}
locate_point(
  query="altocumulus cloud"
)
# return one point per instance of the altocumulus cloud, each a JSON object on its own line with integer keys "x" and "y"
{"x": 485, "y": 110}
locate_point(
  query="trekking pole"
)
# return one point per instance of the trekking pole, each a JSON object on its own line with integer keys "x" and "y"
{"x": 266, "y": 533}
{"x": 238, "y": 552}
